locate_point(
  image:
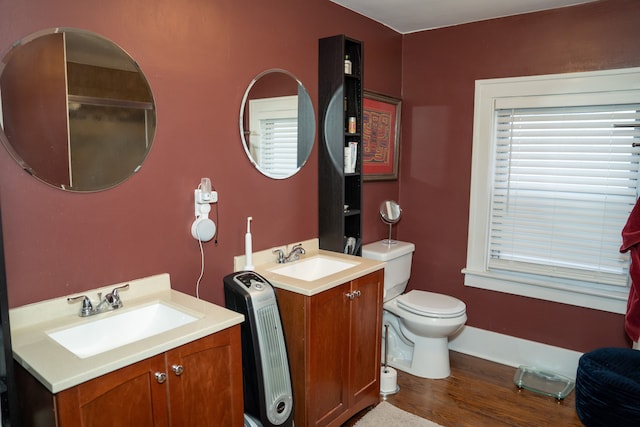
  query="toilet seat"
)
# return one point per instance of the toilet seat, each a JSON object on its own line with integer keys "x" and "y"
{"x": 430, "y": 304}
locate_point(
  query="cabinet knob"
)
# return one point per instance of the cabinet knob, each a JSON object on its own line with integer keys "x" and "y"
{"x": 352, "y": 295}
{"x": 160, "y": 377}
{"x": 177, "y": 369}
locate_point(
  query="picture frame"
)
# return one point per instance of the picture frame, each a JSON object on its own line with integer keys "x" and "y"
{"x": 380, "y": 136}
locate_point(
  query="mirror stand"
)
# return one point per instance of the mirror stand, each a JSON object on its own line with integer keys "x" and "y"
{"x": 390, "y": 213}
{"x": 389, "y": 241}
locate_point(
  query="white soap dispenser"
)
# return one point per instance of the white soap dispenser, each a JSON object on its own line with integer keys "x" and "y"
{"x": 248, "y": 265}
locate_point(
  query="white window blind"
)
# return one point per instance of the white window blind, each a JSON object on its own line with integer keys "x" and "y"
{"x": 279, "y": 146}
{"x": 565, "y": 180}
{"x": 273, "y": 137}
{"x": 554, "y": 177}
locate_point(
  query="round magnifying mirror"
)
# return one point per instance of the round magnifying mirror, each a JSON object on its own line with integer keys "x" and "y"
{"x": 390, "y": 211}
{"x": 77, "y": 111}
{"x": 277, "y": 123}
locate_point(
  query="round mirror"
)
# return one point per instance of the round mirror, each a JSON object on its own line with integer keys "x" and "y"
{"x": 277, "y": 123}
{"x": 390, "y": 211}
{"x": 76, "y": 112}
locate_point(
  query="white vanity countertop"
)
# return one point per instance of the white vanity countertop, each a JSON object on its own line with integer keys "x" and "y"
{"x": 58, "y": 369}
{"x": 362, "y": 267}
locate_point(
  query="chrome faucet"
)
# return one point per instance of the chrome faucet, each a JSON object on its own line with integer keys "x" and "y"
{"x": 295, "y": 253}
{"x": 111, "y": 301}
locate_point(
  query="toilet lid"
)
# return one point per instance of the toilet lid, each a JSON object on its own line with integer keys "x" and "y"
{"x": 430, "y": 304}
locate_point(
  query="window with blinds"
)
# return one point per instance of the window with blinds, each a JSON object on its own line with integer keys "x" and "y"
{"x": 554, "y": 178}
{"x": 565, "y": 181}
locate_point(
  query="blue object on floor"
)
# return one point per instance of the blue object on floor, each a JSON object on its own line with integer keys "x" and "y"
{"x": 608, "y": 388}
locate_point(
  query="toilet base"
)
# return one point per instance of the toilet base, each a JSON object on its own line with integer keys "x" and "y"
{"x": 429, "y": 358}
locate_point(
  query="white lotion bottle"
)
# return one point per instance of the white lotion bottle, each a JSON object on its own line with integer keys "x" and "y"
{"x": 248, "y": 265}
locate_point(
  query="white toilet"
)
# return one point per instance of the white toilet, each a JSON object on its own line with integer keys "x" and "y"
{"x": 420, "y": 322}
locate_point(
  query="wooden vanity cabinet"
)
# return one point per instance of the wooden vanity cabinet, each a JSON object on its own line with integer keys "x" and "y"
{"x": 334, "y": 344}
{"x": 207, "y": 392}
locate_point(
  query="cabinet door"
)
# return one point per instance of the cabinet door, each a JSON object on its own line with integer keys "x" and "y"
{"x": 205, "y": 381}
{"x": 328, "y": 355}
{"x": 130, "y": 396}
{"x": 366, "y": 335}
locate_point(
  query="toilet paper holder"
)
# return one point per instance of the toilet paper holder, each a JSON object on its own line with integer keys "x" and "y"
{"x": 388, "y": 376}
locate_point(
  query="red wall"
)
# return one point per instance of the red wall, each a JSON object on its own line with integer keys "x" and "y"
{"x": 439, "y": 71}
{"x": 199, "y": 56}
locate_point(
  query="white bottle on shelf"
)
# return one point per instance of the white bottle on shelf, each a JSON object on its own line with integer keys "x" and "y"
{"x": 347, "y": 65}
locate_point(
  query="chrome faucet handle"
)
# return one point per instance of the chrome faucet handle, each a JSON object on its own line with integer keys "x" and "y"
{"x": 299, "y": 249}
{"x": 295, "y": 253}
{"x": 280, "y": 253}
{"x": 87, "y": 307}
{"x": 113, "y": 297}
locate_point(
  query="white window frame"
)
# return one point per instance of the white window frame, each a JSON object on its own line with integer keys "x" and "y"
{"x": 609, "y": 87}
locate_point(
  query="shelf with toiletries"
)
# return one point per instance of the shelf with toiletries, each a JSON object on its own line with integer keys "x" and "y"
{"x": 340, "y": 88}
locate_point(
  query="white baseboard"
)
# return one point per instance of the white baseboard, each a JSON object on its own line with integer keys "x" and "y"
{"x": 512, "y": 351}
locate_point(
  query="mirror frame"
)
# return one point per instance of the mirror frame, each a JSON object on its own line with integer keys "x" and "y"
{"x": 390, "y": 211}
{"x": 307, "y": 118}
{"x": 105, "y": 45}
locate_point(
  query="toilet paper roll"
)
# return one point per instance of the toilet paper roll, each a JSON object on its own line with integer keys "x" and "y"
{"x": 388, "y": 380}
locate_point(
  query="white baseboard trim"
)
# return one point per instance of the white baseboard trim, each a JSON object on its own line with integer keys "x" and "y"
{"x": 512, "y": 351}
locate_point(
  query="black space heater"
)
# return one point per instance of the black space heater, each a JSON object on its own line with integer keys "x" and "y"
{"x": 268, "y": 393}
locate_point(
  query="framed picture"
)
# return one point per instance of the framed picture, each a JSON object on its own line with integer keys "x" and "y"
{"x": 380, "y": 136}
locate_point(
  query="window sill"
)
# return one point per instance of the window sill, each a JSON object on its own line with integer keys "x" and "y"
{"x": 613, "y": 302}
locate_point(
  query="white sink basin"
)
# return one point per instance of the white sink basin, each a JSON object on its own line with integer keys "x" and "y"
{"x": 314, "y": 268}
{"x": 98, "y": 334}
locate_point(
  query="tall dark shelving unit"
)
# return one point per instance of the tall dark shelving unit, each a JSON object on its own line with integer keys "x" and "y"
{"x": 339, "y": 98}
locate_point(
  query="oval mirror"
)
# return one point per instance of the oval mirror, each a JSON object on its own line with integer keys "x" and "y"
{"x": 76, "y": 112}
{"x": 390, "y": 211}
{"x": 277, "y": 123}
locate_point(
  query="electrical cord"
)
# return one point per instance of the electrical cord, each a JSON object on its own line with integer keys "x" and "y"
{"x": 202, "y": 249}
{"x": 201, "y": 267}
{"x": 215, "y": 236}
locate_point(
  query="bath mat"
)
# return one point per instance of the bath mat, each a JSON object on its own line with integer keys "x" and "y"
{"x": 387, "y": 415}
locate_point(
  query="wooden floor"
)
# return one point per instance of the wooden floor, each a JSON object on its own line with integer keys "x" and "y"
{"x": 479, "y": 393}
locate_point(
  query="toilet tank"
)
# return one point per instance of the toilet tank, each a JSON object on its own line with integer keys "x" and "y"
{"x": 397, "y": 270}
